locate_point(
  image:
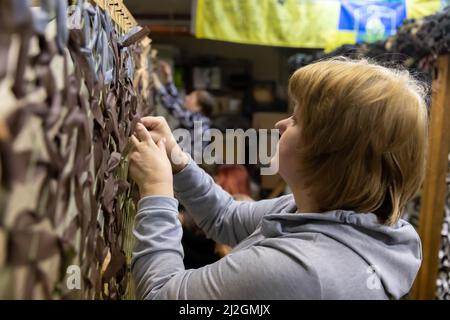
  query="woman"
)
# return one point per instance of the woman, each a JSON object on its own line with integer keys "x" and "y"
{"x": 353, "y": 154}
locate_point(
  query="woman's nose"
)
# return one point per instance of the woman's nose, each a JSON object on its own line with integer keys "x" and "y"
{"x": 281, "y": 125}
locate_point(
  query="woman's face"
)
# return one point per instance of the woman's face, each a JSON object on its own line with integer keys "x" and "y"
{"x": 288, "y": 160}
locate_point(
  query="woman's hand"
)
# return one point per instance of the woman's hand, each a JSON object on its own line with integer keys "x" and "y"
{"x": 166, "y": 71}
{"x": 149, "y": 166}
{"x": 159, "y": 129}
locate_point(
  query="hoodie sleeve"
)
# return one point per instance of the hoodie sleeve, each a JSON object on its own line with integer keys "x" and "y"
{"x": 259, "y": 272}
{"x": 171, "y": 89}
{"x": 215, "y": 211}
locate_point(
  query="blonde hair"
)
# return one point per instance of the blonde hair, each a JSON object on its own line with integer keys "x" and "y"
{"x": 363, "y": 135}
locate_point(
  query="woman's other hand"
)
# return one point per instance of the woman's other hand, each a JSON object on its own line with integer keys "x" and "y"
{"x": 149, "y": 166}
{"x": 159, "y": 129}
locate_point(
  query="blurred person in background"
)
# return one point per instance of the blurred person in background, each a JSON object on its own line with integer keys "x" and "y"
{"x": 197, "y": 106}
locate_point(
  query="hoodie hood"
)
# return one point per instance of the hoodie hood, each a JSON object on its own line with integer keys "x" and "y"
{"x": 394, "y": 252}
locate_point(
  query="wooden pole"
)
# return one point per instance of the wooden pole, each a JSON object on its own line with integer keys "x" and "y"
{"x": 434, "y": 189}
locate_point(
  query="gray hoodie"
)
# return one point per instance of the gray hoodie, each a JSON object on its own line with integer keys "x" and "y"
{"x": 277, "y": 254}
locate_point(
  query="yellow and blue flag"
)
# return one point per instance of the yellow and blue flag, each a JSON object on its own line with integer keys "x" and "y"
{"x": 306, "y": 23}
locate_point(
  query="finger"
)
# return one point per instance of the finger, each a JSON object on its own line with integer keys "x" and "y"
{"x": 133, "y": 155}
{"x": 148, "y": 137}
{"x": 141, "y": 133}
{"x": 162, "y": 145}
{"x": 152, "y": 143}
{"x": 155, "y": 135}
{"x": 150, "y": 122}
{"x": 134, "y": 141}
